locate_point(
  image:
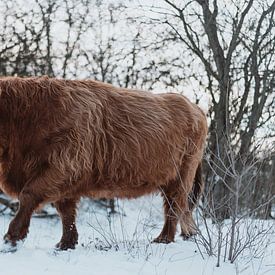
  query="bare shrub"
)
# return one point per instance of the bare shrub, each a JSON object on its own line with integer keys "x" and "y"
{"x": 231, "y": 238}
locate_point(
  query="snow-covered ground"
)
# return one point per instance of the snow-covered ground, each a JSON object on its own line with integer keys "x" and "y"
{"x": 119, "y": 244}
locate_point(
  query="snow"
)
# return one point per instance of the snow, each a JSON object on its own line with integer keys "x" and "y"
{"x": 119, "y": 244}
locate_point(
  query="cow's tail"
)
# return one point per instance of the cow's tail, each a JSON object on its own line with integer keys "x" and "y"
{"x": 197, "y": 189}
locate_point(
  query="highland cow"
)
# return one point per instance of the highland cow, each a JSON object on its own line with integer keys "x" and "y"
{"x": 64, "y": 139}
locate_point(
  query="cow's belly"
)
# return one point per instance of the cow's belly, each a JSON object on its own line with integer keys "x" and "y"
{"x": 122, "y": 192}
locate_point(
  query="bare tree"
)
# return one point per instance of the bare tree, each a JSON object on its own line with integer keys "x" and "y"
{"x": 234, "y": 42}
{"x": 46, "y": 12}
{"x": 20, "y": 51}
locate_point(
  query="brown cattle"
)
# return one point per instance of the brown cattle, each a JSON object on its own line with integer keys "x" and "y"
{"x": 64, "y": 139}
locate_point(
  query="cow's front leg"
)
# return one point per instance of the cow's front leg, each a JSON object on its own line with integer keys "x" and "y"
{"x": 67, "y": 211}
{"x": 18, "y": 228}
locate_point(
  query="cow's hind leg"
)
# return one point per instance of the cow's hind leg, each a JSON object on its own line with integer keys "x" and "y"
{"x": 67, "y": 211}
{"x": 176, "y": 208}
{"x": 187, "y": 223}
{"x": 188, "y": 226}
{"x": 174, "y": 203}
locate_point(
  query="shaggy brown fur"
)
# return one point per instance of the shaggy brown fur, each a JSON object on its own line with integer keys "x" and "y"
{"x": 62, "y": 139}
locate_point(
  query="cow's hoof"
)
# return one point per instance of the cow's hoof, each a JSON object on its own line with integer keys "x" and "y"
{"x": 9, "y": 240}
{"x": 65, "y": 245}
{"x": 163, "y": 240}
{"x": 187, "y": 236}
{"x": 9, "y": 246}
